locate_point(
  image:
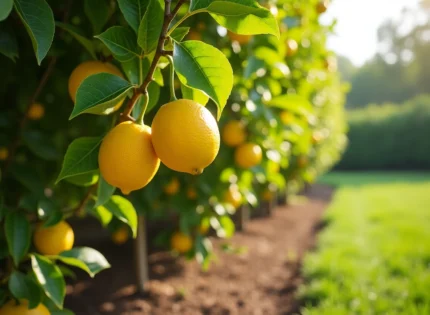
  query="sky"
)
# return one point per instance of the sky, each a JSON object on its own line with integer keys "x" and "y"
{"x": 358, "y": 21}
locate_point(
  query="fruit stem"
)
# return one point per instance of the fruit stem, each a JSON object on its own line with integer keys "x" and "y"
{"x": 145, "y": 106}
{"x": 172, "y": 79}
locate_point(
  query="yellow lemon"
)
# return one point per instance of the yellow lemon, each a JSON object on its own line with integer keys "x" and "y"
{"x": 127, "y": 159}
{"x": 248, "y": 155}
{"x": 292, "y": 47}
{"x": 172, "y": 187}
{"x": 241, "y": 39}
{"x": 234, "y": 133}
{"x": 12, "y": 308}
{"x": 54, "y": 239}
{"x": 36, "y": 111}
{"x": 4, "y": 153}
{"x": 286, "y": 117}
{"x": 185, "y": 136}
{"x": 120, "y": 236}
{"x": 191, "y": 193}
{"x": 181, "y": 242}
{"x": 233, "y": 196}
{"x": 86, "y": 69}
{"x": 267, "y": 195}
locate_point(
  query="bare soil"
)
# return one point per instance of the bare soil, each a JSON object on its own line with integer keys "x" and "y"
{"x": 260, "y": 280}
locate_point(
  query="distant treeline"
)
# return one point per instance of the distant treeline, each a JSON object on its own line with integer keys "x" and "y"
{"x": 389, "y": 136}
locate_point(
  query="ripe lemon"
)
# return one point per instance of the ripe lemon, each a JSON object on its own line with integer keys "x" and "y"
{"x": 191, "y": 193}
{"x": 241, "y": 39}
{"x": 248, "y": 155}
{"x": 36, "y": 111}
{"x": 4, "y": 153}
{"x": 181, "y": 242}
{"x": 11, "y": 308}
{"x": 292, "y": 47}
{"x": 120, "y": 236}
{"x": 267, "y": 195}
{"x": 86, "y": 69}
{"x": 233, "y": 197}
{"x": 54, "y": 239}
{"x": 234, "y": 133}
{"x": 172, "y": 187}
{"x": 286, "y": 117}
{"x": 185, "y": 136}
{"x": 127, "y": 159}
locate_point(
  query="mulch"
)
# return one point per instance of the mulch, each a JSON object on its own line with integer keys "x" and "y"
{"x": 261, "y": 279}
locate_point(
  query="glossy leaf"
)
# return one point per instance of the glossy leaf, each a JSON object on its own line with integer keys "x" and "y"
{"x": 121, "y": 41}
{"x": 136, "y": 69}
{"x": 150, "y": 26}
{"x": 194, "y": 94}
{"x": 104, "y": 192}
{"x": 18, "y": 235}
{"x": 24, "y": 287}
{"x": 81, "y": 157}
{"x": 102, "y": 214}
{"x": 84, "y": 180}
{"x": 203, "y": 67}
{"x": 50, "y": 278}
{"x": 38, "y": 19}
{"x": 98, "y": 12}
{"x": 8, "y": 43}
{"x": 133, "y": 11}
{"x": 124, "y": 211}
{"x": 179, "y": 33}
{"x": 5, "y": 9}
{"x": 85, "y": 258}
{"x": 77, "y": 34}
{"x": 100, "y": 94}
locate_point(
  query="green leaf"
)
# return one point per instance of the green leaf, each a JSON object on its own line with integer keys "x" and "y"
{"x": 100, "y": 94}
{"x": 50, "y": 278}
{"x": 38, "y": 19}
{"x": 154, "y": 95}
{"x": 124, "y": 211}
{"x": 104, "y": 192}
{"x": 136, "y": 69}
{"x": 179, "y": 33}
{"x": 98, "y": 12}
{"x": 121, "y": 41}
{"x": 49, "y": 212}
{"x": 8, "y": 43}
{"x": 227, "y": 226}
{"x": 133, "y": 11}
{"x": 85, "y": 258}
{"x": 41, "y": 145}
{"x": 102, "y": 214}
{"x": 77, "y": 34}
{"x": 28, "y": 202}
{"x": 150, "y": 26}
{"x": 195, "y": 95}
{"x": 24, "y": 287}
{"x": 5, "y": 9}
{"x": 292, "y": 102}
{"x": 18, "y": 235}
{"x": 67, "y": 272}
{"x": 81, "y": 157}
{"x": 29, "y": 178}
{"x": 203, "y": 67}
{"x": 62, "y": 312}
{"x": 84, "y": 180}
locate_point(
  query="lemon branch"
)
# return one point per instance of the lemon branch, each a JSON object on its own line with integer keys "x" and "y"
{"x": 169, "y": 15}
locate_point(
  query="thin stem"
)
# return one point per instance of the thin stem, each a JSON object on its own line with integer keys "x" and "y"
{"x": 181, "y": 20}
{"x": 81, "y": 207}
{"x": 126, "y": 115}
{"x": 144, "y": 107}
{"x": 172, "y": 79}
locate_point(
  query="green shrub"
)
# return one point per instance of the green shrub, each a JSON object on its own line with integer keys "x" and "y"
{"x": 389, "y": 136}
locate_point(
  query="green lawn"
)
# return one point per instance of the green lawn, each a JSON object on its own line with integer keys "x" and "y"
{"x": 373, "y": 257}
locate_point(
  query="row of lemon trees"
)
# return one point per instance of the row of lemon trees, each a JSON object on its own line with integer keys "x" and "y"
{"x": 168, "y": 110}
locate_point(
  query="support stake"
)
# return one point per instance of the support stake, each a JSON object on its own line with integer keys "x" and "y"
{"x": 141, "y": 256}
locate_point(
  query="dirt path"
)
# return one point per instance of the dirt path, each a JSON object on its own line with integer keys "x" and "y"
{"x": 261, "y": 280}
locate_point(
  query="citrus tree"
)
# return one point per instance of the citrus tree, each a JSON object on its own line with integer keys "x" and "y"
{"x": 87, "y": 78}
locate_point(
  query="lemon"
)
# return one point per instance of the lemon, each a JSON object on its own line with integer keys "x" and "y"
{"x": 241, "y": 39}
{"x": 248, "y": 155}
{"x": 234, "y": 133}
{"x": 4, "y": 153}
{"x": 12, "y": 308}
{"x": 86, "y": 69}
{"x": 286, "y": 117}
{"x": 54, "y": 239}
{"x": 181, "y": 242}
{"x": 191, "y": 193}
{"x": 127, "y": 159}
{"x": 36, "y": 111}
{"x": 172, "y": 187}
{"x": 120, "y": 236}
{"x": 233, "y": 196}
{"x": 185, "y": 136}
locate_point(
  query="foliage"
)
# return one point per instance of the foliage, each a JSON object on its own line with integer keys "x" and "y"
{"x": 389, "y": 136}
{"x": 372, "y": 258}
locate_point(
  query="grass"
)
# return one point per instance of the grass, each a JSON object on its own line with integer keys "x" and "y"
{"x": 373, "y": 257}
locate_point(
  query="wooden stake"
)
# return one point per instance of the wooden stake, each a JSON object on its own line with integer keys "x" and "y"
{"x": 141, "y": 256}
